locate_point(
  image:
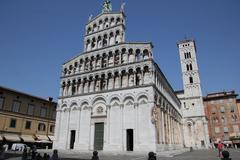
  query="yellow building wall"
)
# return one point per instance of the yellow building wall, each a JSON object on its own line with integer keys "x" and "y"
{"x": 2, "y": 122}
{"x": 5, "y": 120}
{"x": 238, "y": 106}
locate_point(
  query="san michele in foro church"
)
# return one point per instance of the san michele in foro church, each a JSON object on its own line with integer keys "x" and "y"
{"x": 114, "y": 97}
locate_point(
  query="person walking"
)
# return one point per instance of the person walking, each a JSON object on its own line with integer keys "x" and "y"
{"x": 225, "y": 155}
{"x": 2, "y": 152}
{"x": 220, "y": 147}
{"x": 24, "y": 154}
{"x": 152, "y": 156}
{"x": 34, "y": 150}
{"x": 45, "y": 156}
{"x": 55, "y": 155}
{"x": 95, "y": 156}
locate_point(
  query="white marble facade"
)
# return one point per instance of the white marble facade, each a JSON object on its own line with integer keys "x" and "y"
{"x": 118, "y": 85}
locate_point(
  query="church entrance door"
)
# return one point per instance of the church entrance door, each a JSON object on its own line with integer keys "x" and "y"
{"x": 129, "y": 139}
{"x": 72, "y": 139}
{"x": 98, "y": 136}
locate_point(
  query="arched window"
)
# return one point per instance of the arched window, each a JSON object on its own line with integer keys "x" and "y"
{"x": 223, "y": 119}
{"x": 52, "y": 128}
{"x": 93, "y": 43}
{"x": 190, "y": 67}
{"x": 106, "y": 23}
{"x": 41, "y": 127}
{"x": 138, "y": 55}
{"x": 65, "y": 71}
{"x": 116, "y": 58}
{"x": 73, "y": 87}
{"x": 70, "y": 69}
{"x": 189, "y": 129}
{"x": 189, "y": 55}
{"x": 112, "y": 21}
{"x": 146, "y": 54}
{"x": 104, "y": 60}
{"x": 117, "y": 36}
{"x": 214, "y": 110}
{"x": 118, "y": 20}
{"x": 104, "y": 40}
{"x": 232, "y": 109}
{"x": 95, "y": 27}
{"x": 187, "y": 67}
{"x": 100, "y": 25}
{"x": 191, "y": 80}
{"x": 138, "y": 76}
{"x": 89, "y": 30}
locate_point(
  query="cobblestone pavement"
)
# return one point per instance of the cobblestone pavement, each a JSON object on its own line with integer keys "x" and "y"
{"x": 195, "y": 155}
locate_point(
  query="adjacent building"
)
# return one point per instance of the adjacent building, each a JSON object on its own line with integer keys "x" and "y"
{"x": 26, "y": 118}
{"x": 195, "y": 125}
{"x": 223, "y": 116}
{"x": 238, "y": 106}
{"x": 113, "y": 96}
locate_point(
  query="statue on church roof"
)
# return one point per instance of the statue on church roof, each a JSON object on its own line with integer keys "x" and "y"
{"x": 122, "y": 7}
{"x": 90, "y": 17}
{"x": 107, "y": 6}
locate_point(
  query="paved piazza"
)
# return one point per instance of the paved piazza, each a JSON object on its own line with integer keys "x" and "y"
{"x": 195, "y": 155}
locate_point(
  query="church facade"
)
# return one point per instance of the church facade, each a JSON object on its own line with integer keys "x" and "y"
{"x": 113, "y": 96}
{"x": 195, "y": 125}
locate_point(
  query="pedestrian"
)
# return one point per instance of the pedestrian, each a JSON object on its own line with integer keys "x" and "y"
{"x": 235, "y": 146}
{"x": 152, "y": 156}
{"x": 45, "y": 156}
{"x": 34, "y": 149}
{"x": 226, "y": 155}
{"x": 24, "y": 154}
{"x": 95, "y": 156}
{"x": 2, "y": 152}
{"x": 38, "y": 157}
{"x": 55, "y": 155}
{"x": 220, "y": 146}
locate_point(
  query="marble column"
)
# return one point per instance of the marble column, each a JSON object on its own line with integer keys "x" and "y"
{"x": 166, "y": 128}
{"x": 108, "y": 123}
{"x": 136, "y": 123}
{"x": 78, "y": 125}
{"x": 68, "y": 137}
{"x": 58, "y": 125}
{"x": 61, "y": 92}
{"x": 160, "y": 126}
{"x": 168, "y": 120}
{"x": 81, "y": 88}
{"x": 122, "y": 125}
{"x": 163, "y": 128}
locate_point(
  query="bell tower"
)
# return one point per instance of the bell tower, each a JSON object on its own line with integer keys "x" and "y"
{"x": 190, "y": 73}
{"x": 195, "y": 123}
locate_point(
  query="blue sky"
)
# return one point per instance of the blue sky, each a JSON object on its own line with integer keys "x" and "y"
{"x": 36, "y": 37}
